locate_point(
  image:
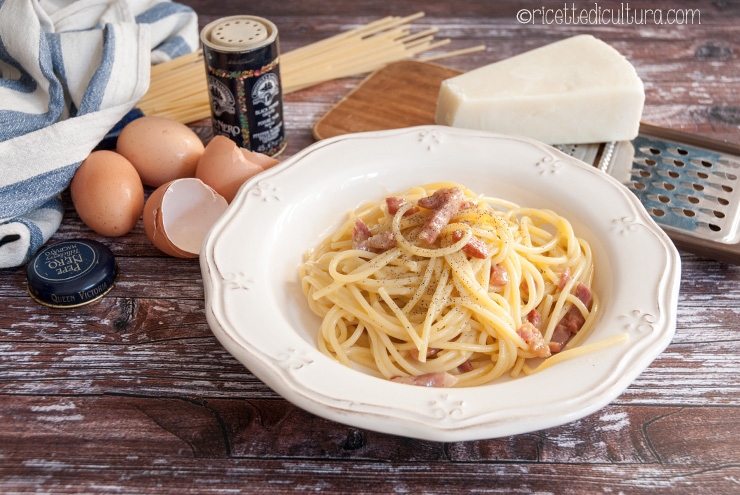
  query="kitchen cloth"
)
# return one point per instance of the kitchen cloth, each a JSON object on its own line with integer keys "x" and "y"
{"x": 69, "y": 71}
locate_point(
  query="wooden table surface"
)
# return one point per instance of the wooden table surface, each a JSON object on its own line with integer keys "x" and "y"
{"x": 133, "y": 394}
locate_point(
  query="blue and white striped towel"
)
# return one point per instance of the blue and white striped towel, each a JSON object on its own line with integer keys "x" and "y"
{"x": 69, "y": 71}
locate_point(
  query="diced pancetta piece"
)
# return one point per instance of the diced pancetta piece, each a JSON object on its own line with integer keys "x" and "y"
{"x": 564, "y": 279}
{"x": 475, "y": 247}
{"x": 572, "y": 322}
{"x": 380, "y": 242}
{"x": 445, "y": 203}
{"x": 465, "y": 367}
{"x": 584, "y": 294}
{"x": 560, "y": 336}
{"x": 360, "y": 233}
{"x": 524, "y": 289}
{"x": 362, "y": 238}
{"x": 395, "y": 203}
{"x": 499, "y": 277}
{"x": 431, "y": 353}
{"x": 438, "y": 379}
{"x": 434, "y": 201}
{"x": 534, "y": 339}
{"x": 535, "y": 318}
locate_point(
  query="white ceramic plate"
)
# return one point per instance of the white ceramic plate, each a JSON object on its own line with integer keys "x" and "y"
{"x": 256, "y": 309}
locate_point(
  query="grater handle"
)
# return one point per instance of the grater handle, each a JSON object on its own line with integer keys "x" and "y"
{"x": 727, "y": 253}
{"x": 687, "y": 138}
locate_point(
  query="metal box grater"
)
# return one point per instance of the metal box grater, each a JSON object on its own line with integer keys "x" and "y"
{"x": 689, "y": 185}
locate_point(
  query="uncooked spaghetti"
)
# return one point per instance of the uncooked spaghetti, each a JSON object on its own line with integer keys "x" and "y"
{"x": 438, "y": 286}
{"x": 178, "y": 88}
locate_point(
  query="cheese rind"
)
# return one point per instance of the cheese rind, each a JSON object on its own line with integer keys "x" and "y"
{"x": 577, "y": 90}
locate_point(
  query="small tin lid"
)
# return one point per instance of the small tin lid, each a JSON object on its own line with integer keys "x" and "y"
{"x": 238, "y": 33}
{"x": 71, "y": 273}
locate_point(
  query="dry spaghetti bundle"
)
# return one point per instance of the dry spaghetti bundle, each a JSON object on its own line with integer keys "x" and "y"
{"x": 178, "y": 88}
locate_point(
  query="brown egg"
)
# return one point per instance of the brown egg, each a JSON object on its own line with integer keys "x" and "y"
{"x": 107, "y": 193}
{"x": 224, "y": 167}
{"x": 161, "y": 149}
{"x": 179, "y": 214}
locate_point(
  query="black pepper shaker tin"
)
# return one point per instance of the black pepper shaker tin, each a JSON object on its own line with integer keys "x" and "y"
{"x": 242, "y": 68}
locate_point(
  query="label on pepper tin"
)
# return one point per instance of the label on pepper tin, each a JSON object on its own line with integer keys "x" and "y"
{"x": 243, "y": 73}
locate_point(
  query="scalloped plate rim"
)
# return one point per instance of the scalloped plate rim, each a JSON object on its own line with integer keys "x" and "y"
{"x": 409, "y": 420}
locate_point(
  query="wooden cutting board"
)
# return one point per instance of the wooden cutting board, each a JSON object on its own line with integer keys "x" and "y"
{"x": 402, "y": 94}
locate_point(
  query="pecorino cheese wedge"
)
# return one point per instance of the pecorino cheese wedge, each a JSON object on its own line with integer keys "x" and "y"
{"x": 577, "y": 90}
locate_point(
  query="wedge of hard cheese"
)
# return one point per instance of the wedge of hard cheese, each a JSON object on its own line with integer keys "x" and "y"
{"x": 577, "y": 90}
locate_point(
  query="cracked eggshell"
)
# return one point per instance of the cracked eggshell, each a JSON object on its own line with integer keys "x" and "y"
{"x": 179, "y": 214}
{"x": 264, "y": 161}
{"x": 224, "y": 167}
{"x": 160, "y": 148}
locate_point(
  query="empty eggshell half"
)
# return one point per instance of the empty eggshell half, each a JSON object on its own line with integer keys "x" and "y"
{"x": 224, "y": 166}
{"x": 179, "y": 214}
{"x": 264, "y": 161}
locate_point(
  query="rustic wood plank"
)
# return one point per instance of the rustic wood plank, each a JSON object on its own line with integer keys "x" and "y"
{"x": 133, "y": 394}
{"x": 53, "y": 426}
{"x": 154, "y": 475}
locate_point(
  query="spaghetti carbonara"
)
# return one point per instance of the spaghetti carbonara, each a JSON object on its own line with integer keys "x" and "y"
{"x": 438, "y": 286}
